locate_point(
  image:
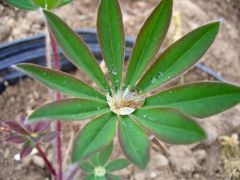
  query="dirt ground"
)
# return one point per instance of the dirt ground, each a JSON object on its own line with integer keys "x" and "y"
{"x": 198, "y": 161}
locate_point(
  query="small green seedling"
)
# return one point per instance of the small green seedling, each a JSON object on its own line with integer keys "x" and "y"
{"x": 127, "y": 103}
{"x": 99, "y": 166}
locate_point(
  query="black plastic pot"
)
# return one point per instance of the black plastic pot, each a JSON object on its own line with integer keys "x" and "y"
{"x": 32, "y": 50}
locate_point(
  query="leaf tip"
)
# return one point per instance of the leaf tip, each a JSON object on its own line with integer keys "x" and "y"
{"x": 15, "y": 67}
{"x": 221, "y": 20}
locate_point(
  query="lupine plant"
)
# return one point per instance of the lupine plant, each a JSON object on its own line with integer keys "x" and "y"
{"x": 100, "y": 166}
{"x": 126, "y": 103}
{"x": 30, "y": 136}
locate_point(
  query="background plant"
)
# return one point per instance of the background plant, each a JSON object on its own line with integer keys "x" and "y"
{"x": 99, "y": 165}
{"x": 127, "y": 103}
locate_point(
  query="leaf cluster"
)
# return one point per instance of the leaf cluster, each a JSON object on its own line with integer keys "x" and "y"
{"x": 100, "y": 168}
{"x": 169, "y": 114}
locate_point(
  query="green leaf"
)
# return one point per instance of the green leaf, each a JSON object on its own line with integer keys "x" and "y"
{"x": 95, "y": 135}
{"x": 149, "y": 41}
{"x": 134, "y": 142}
{"x": 75, "y": 49}
{"x": 105, "y": 154}
{"x": 117, "y": 165}
{"x": 112, "y": 177}
{"x": 23, "y": 4}
{"x": 170, "y": 125}
{"x": 87, "y": 167}
{"x": 64, "y": 2}
{"x": 69, "y": 109}
{"x": 111, "y": 38}
{"x": 61, "y": 81}
{"x": 200, "y": 99}
{"x": 179, "y": 57}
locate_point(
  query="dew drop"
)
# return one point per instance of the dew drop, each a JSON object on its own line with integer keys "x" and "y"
{"x": 114, "y": 71}
{"x": 160, "y": 74}
{"x": 153, "y": 80}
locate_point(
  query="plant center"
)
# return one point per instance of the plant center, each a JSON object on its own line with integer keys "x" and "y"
{"x": 99, "y": 171}
{"x": 125, "y": 102}
{"x": 34, "y": 135}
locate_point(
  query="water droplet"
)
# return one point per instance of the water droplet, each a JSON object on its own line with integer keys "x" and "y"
{"x": 114, "y": 71}
{"x": 160, "y": 74}
{"x": 153, "y": 80}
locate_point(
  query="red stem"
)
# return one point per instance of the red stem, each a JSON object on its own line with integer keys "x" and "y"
{"x": 48, "y": 164}
{"x": 59, "y": 124}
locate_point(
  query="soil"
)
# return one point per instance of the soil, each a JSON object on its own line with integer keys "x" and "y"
{"x": 199, "y": 161}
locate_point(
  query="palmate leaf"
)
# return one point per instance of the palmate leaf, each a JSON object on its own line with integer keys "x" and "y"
{"x": 179, "y": 57}
{"x": 75, "y": 49}
{"x": 149, "y": 41}
{"x": 69, "y": 109}
{"x": 134, "y": 142}
{"x": 200, "y": 99}
{"x": 94, "y": 136}
{"x": 23, "y": 4}
{"x": 61, "y": 81}
{"x": 111, "y": 38}
{"x": 170, "y": 126}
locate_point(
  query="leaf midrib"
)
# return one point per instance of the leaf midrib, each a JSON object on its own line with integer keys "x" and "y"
{"x": 130, "y": 142}
{"x": 189, "y": 101}
{"x": 168, "y": 127}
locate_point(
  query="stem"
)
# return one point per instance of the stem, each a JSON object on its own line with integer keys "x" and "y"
{"x": 48, "y": 164}
{"x": 48, "y": 48}
{"x": 72, "y": 171}
{"x": 58, "y": 124}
